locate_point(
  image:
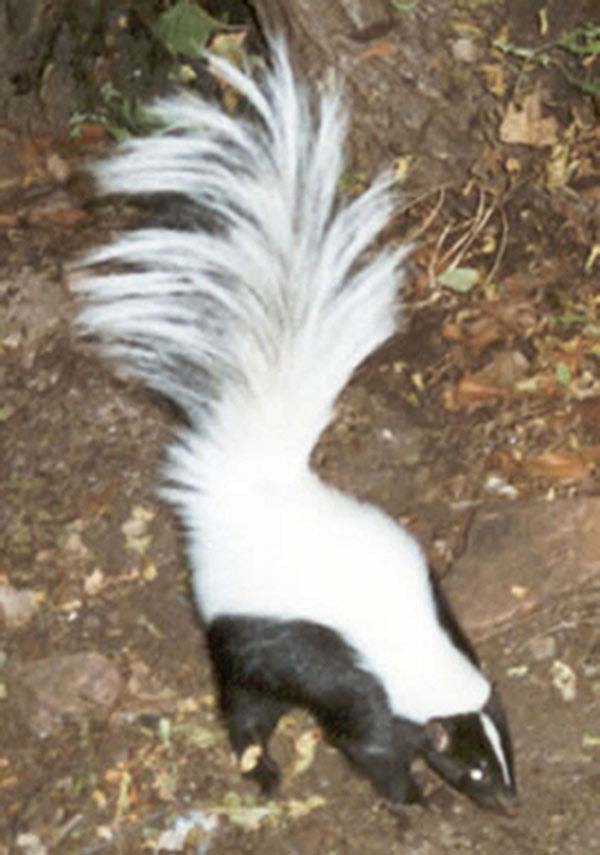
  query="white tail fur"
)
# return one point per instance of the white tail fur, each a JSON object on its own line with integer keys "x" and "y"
{"x": 254, "y": 326}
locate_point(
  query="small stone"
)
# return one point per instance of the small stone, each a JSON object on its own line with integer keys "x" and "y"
{"x": 17, "y": 607}
{"x": 79, "y": 685}
{"x": 465, "y": 50}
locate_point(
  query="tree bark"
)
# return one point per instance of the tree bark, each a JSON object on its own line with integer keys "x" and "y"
{"x": 407, "y": 97}
{"x": 405, "y": 90}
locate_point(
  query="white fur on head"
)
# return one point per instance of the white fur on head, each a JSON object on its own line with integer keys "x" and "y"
{"x": 495, "y": 740}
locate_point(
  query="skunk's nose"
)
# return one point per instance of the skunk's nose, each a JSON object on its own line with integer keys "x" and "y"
{"x": 508, "y": 803}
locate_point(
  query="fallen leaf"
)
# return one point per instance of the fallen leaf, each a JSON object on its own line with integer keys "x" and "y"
{"x": 94, "y": 583}
{"x": 559, "y": 464}
{"x": 471, "y": 392}
{"x": 92, "y": 132}
{"x": 506, "y": 368}
{"x": 305, "y": 747}
{"x": 482, "y": 332}
{"x": 297, "y": 808}
{"x": 563, "y": 374}
{"x": 459, "y": 279}
{"x": 564, "y": 680}
{"x": 495, "y": 78}
{"x": 558, "y": 167}
{"x": 185, "y": 28}
{"x": 8, "y": 221}
{"x": 525, "y": 125}
{"x": 518, "y": 315}
{"x": 379, "y": 50}
{"x": 452, "y": 331}
{"x": 250, "y": 758}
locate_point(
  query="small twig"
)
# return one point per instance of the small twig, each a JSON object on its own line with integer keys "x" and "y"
{"x": 469, "y": 227}
{"x": 501, "y": 247}
{"x": 434, "y": 258}
{"x": 66, "y": 829}
{"x": 474, "y": 234}
{"x": 431, "y": 217}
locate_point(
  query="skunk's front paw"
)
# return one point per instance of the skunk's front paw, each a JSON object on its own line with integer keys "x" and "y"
{"x": 264, "y": 771}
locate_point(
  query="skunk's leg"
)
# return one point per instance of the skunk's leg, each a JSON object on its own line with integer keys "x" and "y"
{"x": 369, "y": 746}
{"x": 250, "y": 719}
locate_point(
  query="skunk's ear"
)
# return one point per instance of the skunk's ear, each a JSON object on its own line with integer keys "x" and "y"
{"x": 438, "y": 734}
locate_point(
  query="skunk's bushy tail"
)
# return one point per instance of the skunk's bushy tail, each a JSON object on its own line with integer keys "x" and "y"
{"x": 252, "y": 327}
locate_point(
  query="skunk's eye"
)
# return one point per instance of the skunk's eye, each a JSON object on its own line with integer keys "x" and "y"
{"x": 479, "y": 773}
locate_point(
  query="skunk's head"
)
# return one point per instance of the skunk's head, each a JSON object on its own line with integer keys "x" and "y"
{"x": 473, "y": 753}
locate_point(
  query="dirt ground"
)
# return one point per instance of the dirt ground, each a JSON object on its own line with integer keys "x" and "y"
{"x": 478, "y": 426}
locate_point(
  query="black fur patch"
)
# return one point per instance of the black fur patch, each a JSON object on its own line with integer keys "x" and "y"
{"x": 264, "y": 667}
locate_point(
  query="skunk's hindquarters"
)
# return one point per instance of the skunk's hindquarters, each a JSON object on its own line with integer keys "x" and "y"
{"x": 252, "y": 328}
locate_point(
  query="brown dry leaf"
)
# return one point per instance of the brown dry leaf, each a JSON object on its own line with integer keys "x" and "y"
{"x": 471, "y": 392}
{"x": 92, "y": 132}
{"x": 475, "y": 335}
{"x": 503, "y": 460}
{"x": 466, "y": 28}
{"x": 526, "y": 126}
{"x": 305, "y": 747}
{"x": 512, "y": 165}
{"x": 482, "y": 332}
{"x": 495, "y": 78}
{"x": 8, "y": 221}
{"x": 558, "y": 167}
{"x": 379, "y": 50}
{"x": 505, "y": 369}
{"x": 230, "y": 46}
{"x": 559, "y": 464}
{"x": 452, "y": 331}
{"x": 518, "y": 315}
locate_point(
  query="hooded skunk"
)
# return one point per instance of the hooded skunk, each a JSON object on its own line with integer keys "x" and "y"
{"x": 252, "y": 327}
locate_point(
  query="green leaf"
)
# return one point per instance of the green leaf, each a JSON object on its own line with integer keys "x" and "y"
{"x": 185, "y": 28}
{"x": 571, "y": 318}
{"x": 516, "y": 50}
{"x": 562, "y": 374}
{"x": 164, "y": 730}
{"x": 584, "y": 41}
{"x": 460, "y": 279}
